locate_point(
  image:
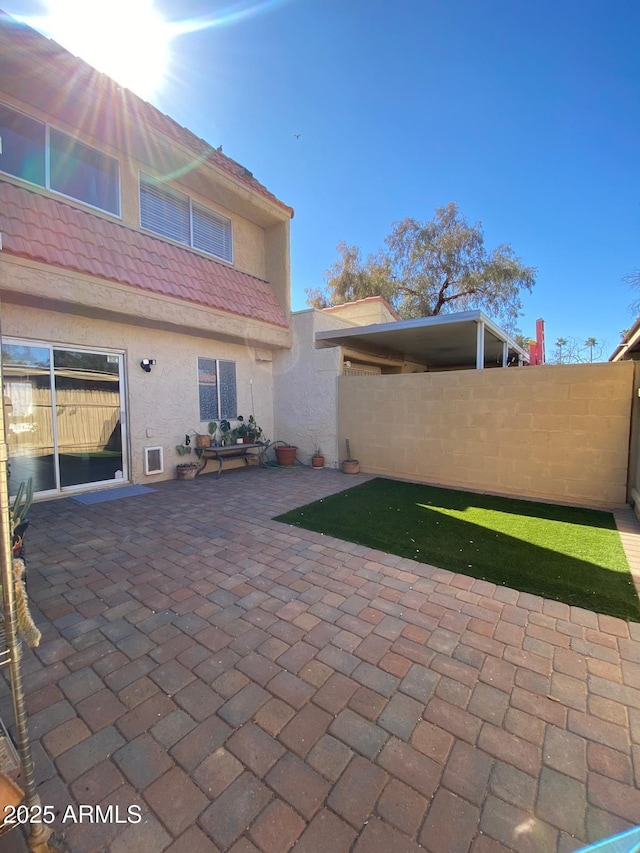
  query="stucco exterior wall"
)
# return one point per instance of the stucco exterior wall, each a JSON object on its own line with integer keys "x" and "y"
{"x": 29, "y": 282}
{"x": 162, "y": 405}
{"x": 305, "y": 385}
{"x": 555, "y": 432}
{"x": 251, "y": 240}
{"x": 634, "y": 449}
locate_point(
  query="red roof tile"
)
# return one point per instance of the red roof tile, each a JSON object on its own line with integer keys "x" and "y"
{"x": 43, "y": 229}
{"x": 28, "y": 52}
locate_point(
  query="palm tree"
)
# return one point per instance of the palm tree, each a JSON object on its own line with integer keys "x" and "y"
{"x": 590, "y": 343}
{"x": 561, "y": 342}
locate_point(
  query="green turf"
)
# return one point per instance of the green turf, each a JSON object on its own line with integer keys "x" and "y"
{"x": 565, "y": 553}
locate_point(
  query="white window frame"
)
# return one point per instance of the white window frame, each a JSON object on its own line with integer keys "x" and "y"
{"x": 148, "y": 470}
{"x": 47, "y": 164}
{"x": 194, "y": 209}
{"x": 220, "y": 415}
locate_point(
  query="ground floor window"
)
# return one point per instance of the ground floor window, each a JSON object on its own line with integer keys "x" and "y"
{"x": 217, "y": 389}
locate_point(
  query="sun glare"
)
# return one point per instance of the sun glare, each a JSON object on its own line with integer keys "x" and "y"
{"x": 126, "y": 39}
{"x": 129, "y": 39}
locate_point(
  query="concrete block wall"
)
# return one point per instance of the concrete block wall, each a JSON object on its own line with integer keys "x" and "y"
{"x": 553, "y": 432}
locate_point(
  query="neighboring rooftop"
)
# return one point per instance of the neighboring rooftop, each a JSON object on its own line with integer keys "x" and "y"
{"x": 40, "y": 228}
{"x": 458, "y": 341}
{"x": 368, "y": 310}
{"x": 629, "y": 347}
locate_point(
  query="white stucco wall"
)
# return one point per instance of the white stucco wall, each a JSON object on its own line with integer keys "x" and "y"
{"x": 305, "y": 386}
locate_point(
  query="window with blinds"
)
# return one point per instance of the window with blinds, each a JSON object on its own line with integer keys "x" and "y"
{"x": 173, "y": 214}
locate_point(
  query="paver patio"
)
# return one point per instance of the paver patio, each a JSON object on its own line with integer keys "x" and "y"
{"x": 253, "y": 686}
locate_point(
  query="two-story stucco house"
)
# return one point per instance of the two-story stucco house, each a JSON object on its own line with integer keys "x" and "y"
{"x": 144, "y": 276}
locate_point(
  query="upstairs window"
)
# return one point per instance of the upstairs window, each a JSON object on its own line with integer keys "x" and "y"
{"x": 217, "y": 389}
{"x": 49, "y": 158}
{"x": 83, "y": 173}
{"x": 23, "y": 146}
{"x": 172, "y": 214}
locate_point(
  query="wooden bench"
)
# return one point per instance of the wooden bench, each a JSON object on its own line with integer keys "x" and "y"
{"x": 230, "y": 451}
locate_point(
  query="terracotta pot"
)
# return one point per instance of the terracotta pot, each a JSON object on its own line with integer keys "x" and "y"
{"x": 247, "y": 440}
{"x": 317, "y": 461}
{"x": 203, "y": 441}
{"x": 350, "y": 466}
{"x": 186, "y": 473}
{"x": 286, "y": 454}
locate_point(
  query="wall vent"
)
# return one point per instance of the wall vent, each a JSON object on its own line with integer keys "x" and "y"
{"x": 153, "y": 460}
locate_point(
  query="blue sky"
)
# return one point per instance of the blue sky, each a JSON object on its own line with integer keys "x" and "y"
{"x": 527, "y": 114}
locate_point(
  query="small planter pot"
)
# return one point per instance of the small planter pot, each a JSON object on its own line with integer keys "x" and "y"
{"x": 246, "y": 439}
{"x": 17, "y": 545}
{"x": 350, "y": 466}
{"x": 187, "y": 472}
{"x": 317, "y": 461}
{"x": 203, "y": 441}
{"x": 286, "y": 455}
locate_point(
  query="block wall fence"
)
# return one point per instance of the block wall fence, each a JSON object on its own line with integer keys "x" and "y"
{"x": 553, "y": 432}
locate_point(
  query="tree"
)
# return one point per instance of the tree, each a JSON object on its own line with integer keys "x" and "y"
{"x": 560, "y": 343}
{"x": 571, "y": 351}
{"x": 431, "y": 268}
{"x": 350, "y": 279}
{"x": 590, "y": 343}
{"x": 633, "y": 280}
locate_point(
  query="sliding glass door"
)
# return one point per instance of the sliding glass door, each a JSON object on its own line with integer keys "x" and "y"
{"x": 65, "y": 416}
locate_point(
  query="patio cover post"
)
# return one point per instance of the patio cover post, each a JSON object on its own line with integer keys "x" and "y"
{"x": 505, "y": 354}
{"x": 480, "y": 345}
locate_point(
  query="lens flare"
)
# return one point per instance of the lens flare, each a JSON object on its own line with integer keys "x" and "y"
{"x": 126, "y": 39}
{"x": 231, "y": 14}
{"x": 129, "y": 39}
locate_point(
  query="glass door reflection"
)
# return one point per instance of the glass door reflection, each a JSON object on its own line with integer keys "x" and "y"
{"x": 29, "y": 416}
{"x": 88, "y": 417}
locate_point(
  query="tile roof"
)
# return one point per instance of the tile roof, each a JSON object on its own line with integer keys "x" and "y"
{"x": 40, "y": 228}
{"x": 45, "y": 58}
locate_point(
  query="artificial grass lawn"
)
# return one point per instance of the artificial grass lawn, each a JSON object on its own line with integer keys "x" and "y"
{"x": 564, "y": 553}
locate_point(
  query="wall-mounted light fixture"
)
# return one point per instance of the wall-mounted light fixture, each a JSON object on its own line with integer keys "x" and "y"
{"x": 146, "y": 363}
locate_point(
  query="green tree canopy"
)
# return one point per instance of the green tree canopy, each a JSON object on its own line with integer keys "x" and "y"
{"x": 430, "y": 268}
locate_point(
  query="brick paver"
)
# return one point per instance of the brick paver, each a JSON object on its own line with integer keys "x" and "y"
{"x": 255, "y": 687}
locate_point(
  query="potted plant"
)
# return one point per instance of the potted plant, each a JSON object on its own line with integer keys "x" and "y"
{"x": 285, "y": 454}
{"x": 254, "y": 432}
{"x": 213, "y": 431}
{"x": 226, "y": 432}
{"x": 186, "y": 470}
{"x": 202, "y": 440}
{"x": 184, "y": 448}
{"x": 18, "y": 516}
{"x": 248, "y": 431}
{"x": 349, "y": 465}
{"x": 317, "y": 460}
